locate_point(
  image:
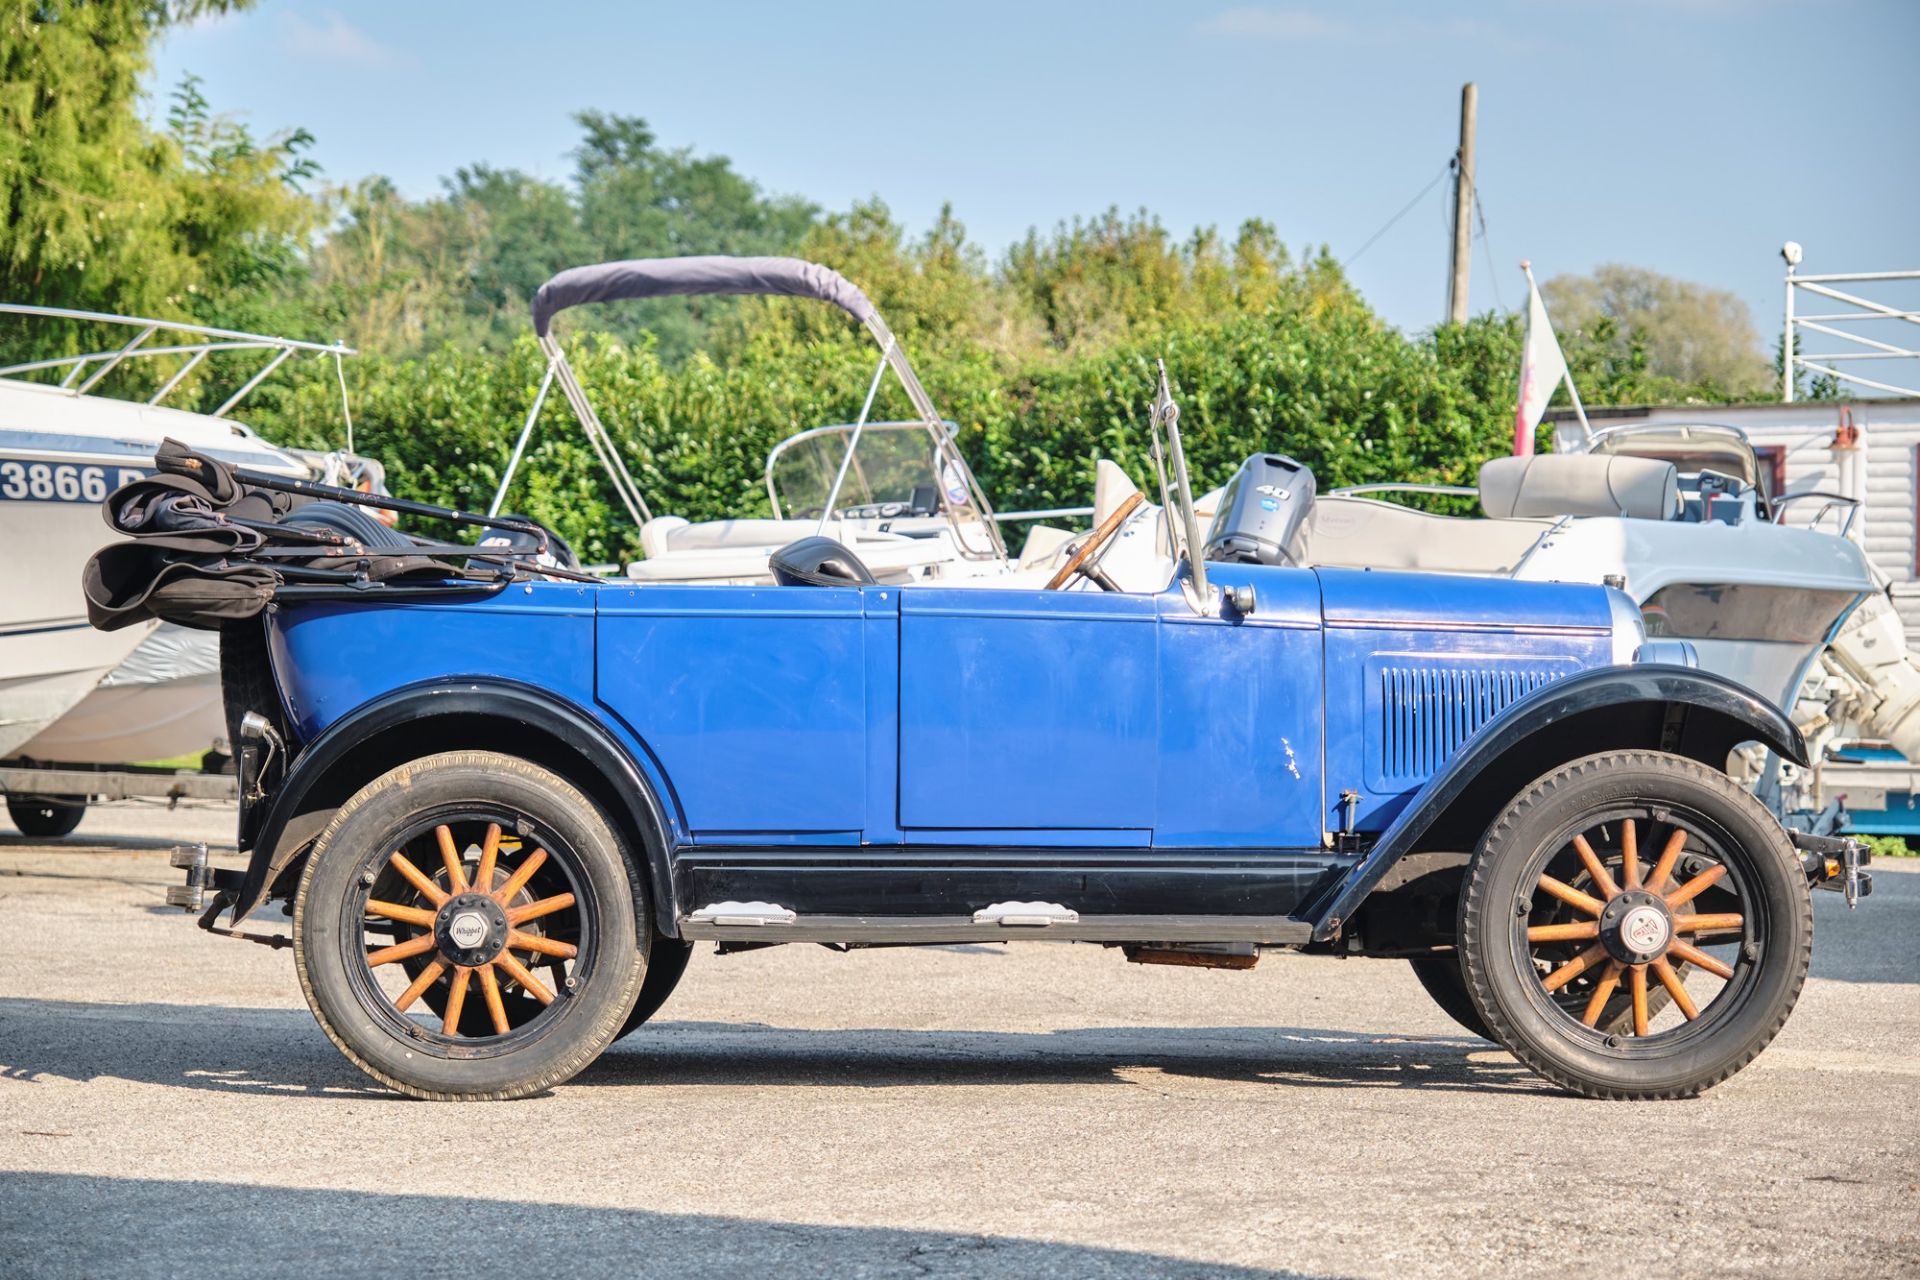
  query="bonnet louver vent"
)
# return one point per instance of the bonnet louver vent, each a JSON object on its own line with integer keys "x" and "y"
{"x": 1429, "y": 709}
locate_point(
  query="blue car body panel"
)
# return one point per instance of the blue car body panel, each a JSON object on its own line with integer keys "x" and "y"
{"x": 1024, "y": 711}
{"x": 753, "y": 700}
{"x": 332, "y": 657}
{"x": 1417, "y": 663}
{"x": 1240, "y": 761}
{"x": 1102, "y": 744}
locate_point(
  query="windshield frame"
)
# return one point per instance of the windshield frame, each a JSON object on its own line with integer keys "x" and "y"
{"x": 1184, "y": 526}
{"x": 1692, "y": 447}
{"x": 945, "y": 455}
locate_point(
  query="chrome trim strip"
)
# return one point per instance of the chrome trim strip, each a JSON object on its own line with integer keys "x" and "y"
{"x": 1273, "y": 930}
{"x": 1491, "y": 628}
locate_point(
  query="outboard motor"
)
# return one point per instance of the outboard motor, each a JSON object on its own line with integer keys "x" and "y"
{"x": 1263, "y": 512}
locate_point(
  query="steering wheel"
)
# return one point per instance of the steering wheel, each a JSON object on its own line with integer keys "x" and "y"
{"x": 1079, "y": 563}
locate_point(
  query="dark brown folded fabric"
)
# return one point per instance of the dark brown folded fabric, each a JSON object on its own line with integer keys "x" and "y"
{"x": 131, "y": 582}
{"x": 214, "y": 476}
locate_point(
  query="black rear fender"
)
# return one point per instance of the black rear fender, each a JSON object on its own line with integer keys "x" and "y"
{"x": 421, "y": 720}
{"x": 1675, "y": 709}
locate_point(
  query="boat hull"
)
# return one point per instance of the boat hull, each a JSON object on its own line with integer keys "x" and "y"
{"x": 61, "y": 454}
{"x": 161, "y": 703}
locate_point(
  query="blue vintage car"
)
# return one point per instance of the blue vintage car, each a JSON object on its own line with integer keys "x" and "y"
{"x": 503, "y": 802}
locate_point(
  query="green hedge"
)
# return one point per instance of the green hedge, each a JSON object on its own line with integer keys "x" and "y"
{"x": 1314, "y": 374}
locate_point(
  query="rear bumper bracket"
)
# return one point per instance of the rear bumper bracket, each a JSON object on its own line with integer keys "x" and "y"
{"x": 1835, "y": 863}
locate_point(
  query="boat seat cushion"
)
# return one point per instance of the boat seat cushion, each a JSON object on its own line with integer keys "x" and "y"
{"x": 1361, "y": 533}
{"x": 818, "y": 562}
{"x": 665, "y": 534}
{"x": 1580, "y": 484}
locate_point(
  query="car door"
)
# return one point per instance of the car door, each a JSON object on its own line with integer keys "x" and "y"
{"x": 1027, "y": 717}
{"x": 1241, "y": 716}
{"x": 753, "y": 701}
{"x": 1102, "y": 719}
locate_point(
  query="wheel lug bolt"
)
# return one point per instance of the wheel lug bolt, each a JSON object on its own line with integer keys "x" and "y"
{"x": 1613, "y": 1042}
{"x": 1524, "y": 907}
{"x": 367, "y": 877}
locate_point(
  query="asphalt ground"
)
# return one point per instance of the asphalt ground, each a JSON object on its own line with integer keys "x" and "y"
{"x": 169, "y": 1108}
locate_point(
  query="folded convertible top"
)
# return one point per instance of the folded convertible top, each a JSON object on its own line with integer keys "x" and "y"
{"x": 204, "y": 547}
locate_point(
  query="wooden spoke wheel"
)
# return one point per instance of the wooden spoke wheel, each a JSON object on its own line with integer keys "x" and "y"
{"x": 1614, "y": 937}
{"x": 483, "y": 945}
{"x": 1635, "y": 925}
{"x": 468, "y": 927}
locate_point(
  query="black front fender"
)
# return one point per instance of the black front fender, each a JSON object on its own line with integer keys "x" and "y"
{"x": 1676, "y": 709}
{"x": 335, "y": 764}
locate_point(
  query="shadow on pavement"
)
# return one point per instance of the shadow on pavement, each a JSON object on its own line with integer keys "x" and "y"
{"x": 282, "y": 1052}
{"x": 730, "y": 1053}
{"x": 66, "y": 1225}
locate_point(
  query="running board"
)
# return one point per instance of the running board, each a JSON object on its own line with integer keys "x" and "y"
{"x": 911, "y": 930}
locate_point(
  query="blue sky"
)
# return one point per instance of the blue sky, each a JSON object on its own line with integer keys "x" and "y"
{"x": 1691, "y": 136}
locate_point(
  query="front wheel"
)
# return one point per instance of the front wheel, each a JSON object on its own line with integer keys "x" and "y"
{"x": 467, "y": 928}
{"x": 1620, "y": 871}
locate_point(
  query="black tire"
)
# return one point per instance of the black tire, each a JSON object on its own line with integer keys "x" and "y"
{"x": 558, "y": 875}
{"x": 46, "y": 818}
{"x": 666, "y": 961}
{"x": 1440, "y": 974}
{"x": 1724, "y": 850}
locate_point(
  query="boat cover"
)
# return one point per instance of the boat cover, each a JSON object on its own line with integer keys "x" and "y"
{"x": 712, "y": 273}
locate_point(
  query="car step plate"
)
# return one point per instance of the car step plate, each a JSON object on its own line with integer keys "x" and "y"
{"x": 737, "y": 914}
{"x": 1026, "y": 915}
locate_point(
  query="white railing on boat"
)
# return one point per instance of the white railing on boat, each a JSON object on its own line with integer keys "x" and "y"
{"x": 1444, "y": 490}
{"x": 81, "y": 377}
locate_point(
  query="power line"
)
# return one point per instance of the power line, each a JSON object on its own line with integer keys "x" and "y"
{"x": 1408, "y": 208}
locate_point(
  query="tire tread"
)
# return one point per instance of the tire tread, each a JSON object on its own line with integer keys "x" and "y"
{"x": 1474, "y": 910}
{"x": 589, "y": 1047}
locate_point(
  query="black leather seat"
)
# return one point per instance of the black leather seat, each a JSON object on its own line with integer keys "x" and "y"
{"x": 818, "y": 562}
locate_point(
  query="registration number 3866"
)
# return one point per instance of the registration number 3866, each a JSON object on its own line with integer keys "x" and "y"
{"x": 60, "y": 481}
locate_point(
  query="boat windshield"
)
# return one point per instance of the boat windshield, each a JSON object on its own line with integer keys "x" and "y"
{"x": 899, "y": 470}
{"x": 1691, "y": 448}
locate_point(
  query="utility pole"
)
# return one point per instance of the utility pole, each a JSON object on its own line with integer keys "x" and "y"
{"x": 1462, "y": 208}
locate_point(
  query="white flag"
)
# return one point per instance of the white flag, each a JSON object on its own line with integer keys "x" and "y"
{"x": 1541, "y": 369}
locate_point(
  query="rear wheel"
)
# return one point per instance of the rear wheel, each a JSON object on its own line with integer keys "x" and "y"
{"x": 46, "y": 818}
{"x": 467, "y": 927}
{"x": 1622, "y": 869}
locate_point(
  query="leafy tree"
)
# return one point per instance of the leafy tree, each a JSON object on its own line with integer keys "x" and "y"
{"x": 640, "y": 200}
{"x": 1043, "y": 358}
{"x": 1660, "y": 333}
{"x": 100, "y": 211}
{"x": 462, "y": 266}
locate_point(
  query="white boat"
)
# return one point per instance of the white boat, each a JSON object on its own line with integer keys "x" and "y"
{"x": 64, "y": 446}
{"x": 162, "y": 702}
{"x": 899, "y": 493}
{"x": 1679, "y": 516}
